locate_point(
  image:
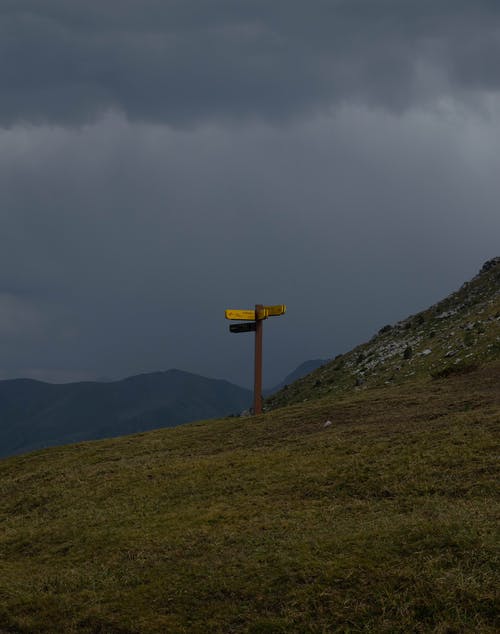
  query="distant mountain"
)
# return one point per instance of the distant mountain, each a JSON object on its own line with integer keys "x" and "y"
{"x": 302, "y": 370}
{"x": 34, "y": 414}
{"x": 455, "y": 335}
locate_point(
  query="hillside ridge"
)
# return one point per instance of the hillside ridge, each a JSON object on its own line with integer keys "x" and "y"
{"x": 455, "y": 334}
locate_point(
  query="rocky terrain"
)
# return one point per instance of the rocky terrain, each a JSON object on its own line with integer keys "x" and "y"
{"x": 455, "y": 335}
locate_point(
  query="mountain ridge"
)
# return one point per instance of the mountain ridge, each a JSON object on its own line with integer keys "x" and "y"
{"x": 304, "y": 368}
{"x": 35, "y": 414}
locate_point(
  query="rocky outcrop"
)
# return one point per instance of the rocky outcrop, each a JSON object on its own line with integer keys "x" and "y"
{"x": 490, "y": 264}
{"x": 461, "y": 330}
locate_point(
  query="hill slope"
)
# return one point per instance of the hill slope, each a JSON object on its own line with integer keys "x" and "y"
{"x": 452, "y": 336}
{"x": 35, "y": 414}
{"x": 384, "y": 520}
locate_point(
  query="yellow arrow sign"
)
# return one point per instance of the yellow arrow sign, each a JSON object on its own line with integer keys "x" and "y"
{"x": 246, "y": 315}
{"x": 240, "y": 315}
{"x": 276, "y": 311}
{"x": 262, "y": 313}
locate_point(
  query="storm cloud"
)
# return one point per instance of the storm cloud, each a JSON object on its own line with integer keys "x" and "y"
{"x": 163, "y": 161}
{"x": 184, "y": 62}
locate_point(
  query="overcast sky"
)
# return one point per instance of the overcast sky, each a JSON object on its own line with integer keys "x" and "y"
{"x": 163, "y": 160}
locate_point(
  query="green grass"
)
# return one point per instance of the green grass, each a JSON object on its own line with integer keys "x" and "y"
{"x": 384, "y": 521}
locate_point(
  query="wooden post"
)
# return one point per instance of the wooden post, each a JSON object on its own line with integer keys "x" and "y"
{"x": 254, "y": 320}
{"x": 257, "y": 386}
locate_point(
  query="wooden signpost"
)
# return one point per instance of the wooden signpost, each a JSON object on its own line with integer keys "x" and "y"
{"x": 255, "y": 320}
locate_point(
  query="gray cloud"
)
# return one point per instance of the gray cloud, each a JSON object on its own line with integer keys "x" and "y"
{"x": 161, "y": 161}
{"x": 132, "y": 239}
{"x": 184, "y": 62}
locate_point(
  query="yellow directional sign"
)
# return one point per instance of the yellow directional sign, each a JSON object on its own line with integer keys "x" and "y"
{"x": 252, "y": 315}
{"x": 276, "y": 311}
{"x": 240, "y": 315}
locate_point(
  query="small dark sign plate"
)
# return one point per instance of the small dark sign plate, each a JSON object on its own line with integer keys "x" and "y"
{"x": 248, "y": 327}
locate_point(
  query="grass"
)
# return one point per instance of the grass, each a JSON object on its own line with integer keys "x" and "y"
{"x": 383, "y": 521}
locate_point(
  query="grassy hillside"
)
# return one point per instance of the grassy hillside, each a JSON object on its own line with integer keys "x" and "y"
{"x": 455, "y": 335}
{"x": 385, "y": 520}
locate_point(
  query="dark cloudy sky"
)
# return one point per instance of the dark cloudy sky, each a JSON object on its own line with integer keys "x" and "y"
{"x": 162, "y": 160}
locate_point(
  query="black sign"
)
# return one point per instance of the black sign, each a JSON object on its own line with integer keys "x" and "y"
{"x": 247, "y": 327}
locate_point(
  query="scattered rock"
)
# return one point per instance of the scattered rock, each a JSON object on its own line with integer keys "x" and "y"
{"x": 425, "y": 352}
{"x": 446, "y": 314}
{"x": 490, "y": 264}
{"x": 407, "y": 354}
{"x": 328, "y": 423}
